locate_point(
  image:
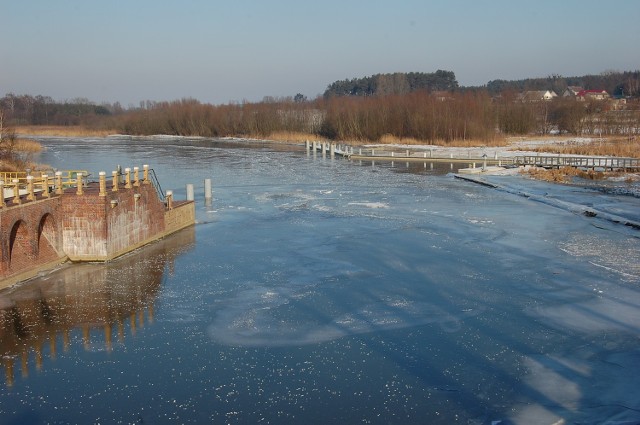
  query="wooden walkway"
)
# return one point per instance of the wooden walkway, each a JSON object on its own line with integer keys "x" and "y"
{"x": 385, "y": 153}
{"x": 602, "y": 163}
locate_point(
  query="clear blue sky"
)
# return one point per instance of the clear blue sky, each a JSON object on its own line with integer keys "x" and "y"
{"x": 234, "y": 50}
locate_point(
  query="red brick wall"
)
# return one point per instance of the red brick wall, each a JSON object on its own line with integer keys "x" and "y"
{"x": 86, "y": 227}
{"x": 94, "y": 230}
{"x": 20, "y": 227}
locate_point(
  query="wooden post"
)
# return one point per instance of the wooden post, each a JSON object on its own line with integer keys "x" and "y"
{"x": 114, "y": 187}
{"x": 58, "y": 182}
{"x": 136, "y": 180}
{"x": 45, "y": 185}
{"x": 2, "y": 204}
{"x": 127, "y": 178}
{"x": 30, "y": 195}
{"x": 103, "y": 183}
{"x": 79, "y": 184}
{"x": 169, "y": 199}
{"x": 145, "y": 174}
{"x": 16, "y": 191}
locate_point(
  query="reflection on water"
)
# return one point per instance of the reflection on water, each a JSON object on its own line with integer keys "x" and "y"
{"x": 96, "y": 299}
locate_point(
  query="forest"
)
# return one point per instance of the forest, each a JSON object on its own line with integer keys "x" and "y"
{"x": 427, "y": 107}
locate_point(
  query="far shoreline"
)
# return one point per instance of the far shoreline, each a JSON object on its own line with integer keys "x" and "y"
{"x": 507, "y": 148}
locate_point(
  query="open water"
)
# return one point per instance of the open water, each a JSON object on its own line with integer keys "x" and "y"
{"x": 319, "y": 291}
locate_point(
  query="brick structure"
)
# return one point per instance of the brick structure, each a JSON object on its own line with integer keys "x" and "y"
{"x": 90, "y": 222}
{"x": 30, "y": 238}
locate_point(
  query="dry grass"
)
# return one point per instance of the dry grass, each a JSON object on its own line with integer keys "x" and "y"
{"x": 292, "y": 136}
{"x": 565, "y": 174}
{"x": 27, "y": 146}
{"x": 611, "y": 147}
{"x": 468, "y": 143}
{"x": 62, "y": 131}
{"x": 288, "y": 136}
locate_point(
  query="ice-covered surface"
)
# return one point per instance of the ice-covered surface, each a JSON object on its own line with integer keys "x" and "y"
{"x": 328, "y": 291}
{"x": 515, "y": 147}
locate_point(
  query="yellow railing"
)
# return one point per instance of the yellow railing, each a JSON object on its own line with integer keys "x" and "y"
{"x": 17, "y": 183}
{"x": 69, "y": 177}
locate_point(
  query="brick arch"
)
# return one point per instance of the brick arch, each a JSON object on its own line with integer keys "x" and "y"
{"x": 49, "y": 241}
{"x": 21, "y": 252}
{"x": 4, "y": 252}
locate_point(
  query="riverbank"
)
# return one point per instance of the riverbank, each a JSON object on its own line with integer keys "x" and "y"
{"x": 506, "y": 148}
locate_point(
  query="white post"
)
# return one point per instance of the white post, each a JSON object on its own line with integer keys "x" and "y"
{"x": 190, "y": 193}
{"x": 207, "y": 190}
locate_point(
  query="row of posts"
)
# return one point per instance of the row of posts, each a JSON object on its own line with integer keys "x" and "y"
{"x": 324, "y": 147}
{"x": 208, "y": 192}
{"x": 346, "y": 150}
{"x": 57, "y": 181}
{"x": 128, "y": 184}
{"x": 131, "y": 179}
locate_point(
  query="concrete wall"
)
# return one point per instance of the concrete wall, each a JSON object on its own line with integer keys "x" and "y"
{"x": 182, "y": 214}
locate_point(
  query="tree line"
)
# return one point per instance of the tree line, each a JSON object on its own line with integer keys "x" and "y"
{"x": 43, "y": 110}
{"x": 425, "y": 107}
{"x": 616, "y": 83}
{"x": 396, "y": 83}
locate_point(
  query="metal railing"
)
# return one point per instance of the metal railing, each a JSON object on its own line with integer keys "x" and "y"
{"x": 156, "y": 184}
{"x": 602, "y": 162}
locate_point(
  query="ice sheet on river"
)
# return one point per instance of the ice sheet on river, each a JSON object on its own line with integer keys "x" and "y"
{"x": 580, "y": 278}
{"x": 329, "y": 291}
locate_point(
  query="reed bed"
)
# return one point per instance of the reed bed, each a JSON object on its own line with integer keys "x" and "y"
{"x": 456, "y": 143}
{"x": 292, "y": 136}
{"x": 612, "y": 147}
{"x": 27, "y": 146}
{"x": 63, "y": 131}
{"x": 566, "y": 174}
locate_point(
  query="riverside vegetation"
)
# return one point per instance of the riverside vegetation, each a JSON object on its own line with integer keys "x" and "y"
{"x": 406, "y": 108}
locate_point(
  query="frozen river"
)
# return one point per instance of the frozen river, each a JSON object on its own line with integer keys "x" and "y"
{"x": 320, "y": 291}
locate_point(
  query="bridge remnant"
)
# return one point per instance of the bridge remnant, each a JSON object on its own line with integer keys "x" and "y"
{"x": 79, "y": 220}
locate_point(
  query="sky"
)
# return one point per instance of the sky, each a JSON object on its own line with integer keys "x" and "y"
{"x": 218, "y": 52}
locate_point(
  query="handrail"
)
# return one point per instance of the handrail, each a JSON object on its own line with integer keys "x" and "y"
{"x": 156, "y": 184}
{"x": 69, "y": 177}
{"x": 17, "y": 183}
{"x": 606, "y": 162}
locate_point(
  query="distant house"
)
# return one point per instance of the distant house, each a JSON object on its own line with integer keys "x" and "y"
{"x": 442, "y": 95}
{"x": 537, "y": 95}
{"x": 592, "y": 95}
{"x": 572, "y": 91}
